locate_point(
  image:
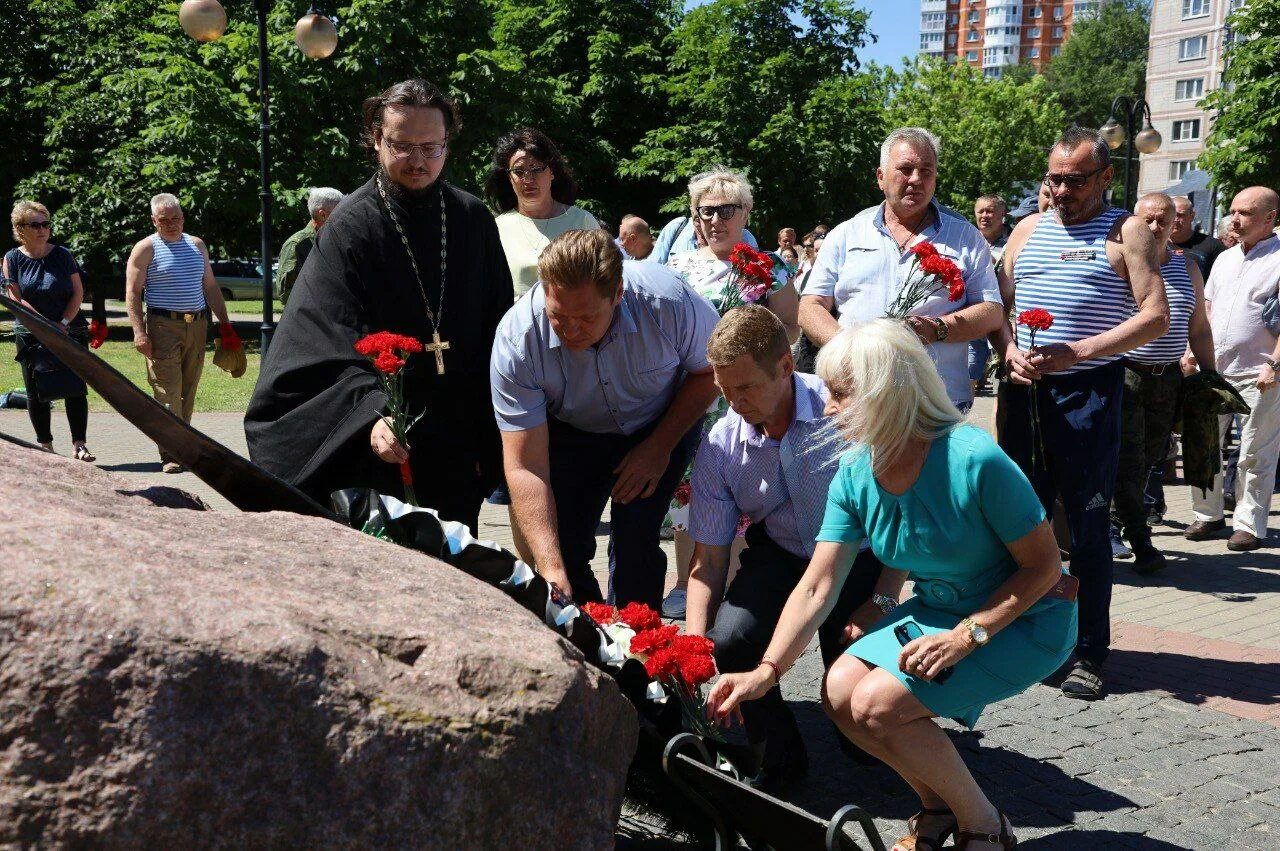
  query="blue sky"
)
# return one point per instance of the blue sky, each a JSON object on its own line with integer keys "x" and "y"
{"x": 897, "y": 23}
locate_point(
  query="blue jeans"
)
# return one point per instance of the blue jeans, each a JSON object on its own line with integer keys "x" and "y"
{"x": 979, "y": 354}
{"x": 1080, "y": 440}
{"x": 582, "y": 476}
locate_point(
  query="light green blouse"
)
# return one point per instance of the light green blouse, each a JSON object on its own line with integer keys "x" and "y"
{"x": 524, "y": 238}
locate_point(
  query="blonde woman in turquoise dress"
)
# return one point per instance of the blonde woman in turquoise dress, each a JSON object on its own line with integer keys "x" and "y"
{"x": 719, "y": 204}
{"x": 941, "y": 504}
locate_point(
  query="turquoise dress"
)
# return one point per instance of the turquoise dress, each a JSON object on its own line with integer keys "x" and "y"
{"x": 949, "y": 532}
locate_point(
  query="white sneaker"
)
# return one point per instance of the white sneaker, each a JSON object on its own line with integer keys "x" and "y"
{"x": 1119, "y": 550}
{"x": 673, "y": 605}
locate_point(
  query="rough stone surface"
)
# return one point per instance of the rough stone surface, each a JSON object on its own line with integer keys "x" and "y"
{"x": 179, "y": 678}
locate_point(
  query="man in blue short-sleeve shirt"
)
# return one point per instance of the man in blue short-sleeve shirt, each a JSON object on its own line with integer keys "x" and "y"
{"x": 865, "y": 263}
{"x": 600, "y": 380}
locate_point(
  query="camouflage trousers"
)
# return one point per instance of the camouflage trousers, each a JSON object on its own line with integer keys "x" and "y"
{"x": 1148, "y": 412}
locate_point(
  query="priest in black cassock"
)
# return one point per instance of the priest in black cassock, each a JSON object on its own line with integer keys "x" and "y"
{"x": 410, "y": 254}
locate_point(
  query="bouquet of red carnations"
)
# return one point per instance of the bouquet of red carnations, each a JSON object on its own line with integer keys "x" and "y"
{"x": 750, "y": 279}
{"x": 935, "y": 274}
{"x": 389, "y": 352}
{"x": 679, "y": 664}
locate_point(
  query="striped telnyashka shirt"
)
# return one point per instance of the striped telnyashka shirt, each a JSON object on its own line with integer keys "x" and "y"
{"x": 1065, "y": 271}
{"x": 175, "y": 277}
{"x": 1182, "y": 303}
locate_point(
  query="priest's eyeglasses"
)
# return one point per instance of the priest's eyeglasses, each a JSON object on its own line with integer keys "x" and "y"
{"x": 403, "y": 150}
{"x": 724, "y": 211}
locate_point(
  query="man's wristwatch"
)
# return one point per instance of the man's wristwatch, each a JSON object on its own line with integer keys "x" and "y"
{"x": 66, "y": 323}
{"x": 940, "y": 330}
{"x": 977, "y": 631}
{"x": 1275, "y": 365}
{"x": 884, "y": 603}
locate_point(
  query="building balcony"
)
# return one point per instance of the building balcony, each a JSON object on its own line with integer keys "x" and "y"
{"x": 999, "y": 38}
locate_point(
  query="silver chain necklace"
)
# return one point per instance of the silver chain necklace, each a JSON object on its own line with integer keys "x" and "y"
{"x": 437, "y": 346}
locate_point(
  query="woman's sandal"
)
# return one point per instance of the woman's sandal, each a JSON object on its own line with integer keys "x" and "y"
{"x": 83, "y": 453}
{"x": 913, "y": 841}
{"x": 1005, "y": 838}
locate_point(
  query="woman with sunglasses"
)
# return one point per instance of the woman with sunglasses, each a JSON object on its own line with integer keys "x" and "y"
{"x": 533, "y": 190}
{"x": 990, "y": 611}
{"x": 46, "y": 279}
{"x": 719, "y": 205}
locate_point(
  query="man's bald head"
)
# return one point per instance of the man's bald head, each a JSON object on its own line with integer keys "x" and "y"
{"x": 1253, "y": 215}
{"x": 1184, "y": 219}
{"x": 634, "y": 236}
{"x": 1157, "y": 210}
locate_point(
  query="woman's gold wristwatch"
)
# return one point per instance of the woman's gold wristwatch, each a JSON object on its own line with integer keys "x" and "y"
{"x": 977, "y": 631}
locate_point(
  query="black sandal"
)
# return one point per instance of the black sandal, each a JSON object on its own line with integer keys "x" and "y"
{"x": 1005, "y": 838}
{"x": 914, "y": 842}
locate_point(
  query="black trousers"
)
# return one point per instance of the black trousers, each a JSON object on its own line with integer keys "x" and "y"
{"x": 749, "y": 614}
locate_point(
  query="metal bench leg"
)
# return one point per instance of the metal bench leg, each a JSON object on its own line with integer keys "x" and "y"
{"x": 845, "y": 815}
{"x": 688, "y": 741}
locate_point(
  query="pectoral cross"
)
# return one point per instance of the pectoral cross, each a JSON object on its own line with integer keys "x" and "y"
{"x": 437, "y": 347}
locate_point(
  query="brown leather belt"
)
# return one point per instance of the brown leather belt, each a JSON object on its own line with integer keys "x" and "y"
{"x": 188, "y": 316}
{"x": 1154, "y": 368}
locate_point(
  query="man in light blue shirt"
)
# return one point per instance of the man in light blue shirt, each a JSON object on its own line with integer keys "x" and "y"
{"x": 600, "y": 381}
{"x": 771, "y": 459}
{"x": 864, "y": 262}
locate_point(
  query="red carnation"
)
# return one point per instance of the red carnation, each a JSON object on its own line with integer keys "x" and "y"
{"x": 229, "y": 338}
{"x": 640, "y": 617}
{"x": 387, "y": 363}
{"x": 935, "y": 264}
{"x": 695, "y": 644}
{"x": 378, "y": 342}
{"x": 650, "y": 641}
{"x": 924, "y": 249}
{"x": 683, "y": 494}
{"x": 601, "y": 613}
{"x": 97, "y": 334}
{"x": 1037, "y": 319}
{"x": 661, "y": 664}
{"x": 695, "y": 668}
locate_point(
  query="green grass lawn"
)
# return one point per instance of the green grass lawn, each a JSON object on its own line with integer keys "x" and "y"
{"x": 252, "y": 306}
{"x": 218, "y": 391}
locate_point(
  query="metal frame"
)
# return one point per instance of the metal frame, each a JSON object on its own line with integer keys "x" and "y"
{"x": 1134, "y": 110}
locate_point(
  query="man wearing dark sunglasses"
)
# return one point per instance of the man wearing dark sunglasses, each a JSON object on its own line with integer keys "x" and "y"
{"x": 1096, "y": 270}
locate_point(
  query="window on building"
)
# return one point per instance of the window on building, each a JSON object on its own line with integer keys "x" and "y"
{"x": 1033, "y": 32}
{"x": 1187, "y": 130}
{"x": 953, "y": 19}
{"x": 1193, "y": 48}
{"x": 1057, "y": 32}
{"x": 993, "y": 72}
{"x": 973, "y": 35}
{"x": 1192, "y": 89}
{"x": 951, "y": 39}
{"x": 1178, "y": 168}
{"x": 1055, "y": 51}
{"x": 1237, "y": 4}
{"x": 1058, "y": 13}
{"x": 1194, "y": 8}
{"x": 1035, "y": 12}
{"x": 974, "y": 15}
{"x": 971, "y": 56}
{"x": 1033, "y": 53}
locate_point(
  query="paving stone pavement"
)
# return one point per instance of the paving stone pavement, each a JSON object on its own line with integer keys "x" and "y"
{"x": 1183, "y": 753}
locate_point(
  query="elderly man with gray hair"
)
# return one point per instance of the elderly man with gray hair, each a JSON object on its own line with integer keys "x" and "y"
{"x": 320, "y": 203}
{"x": 173, "y": 270}
{"x": 866, "y": 261}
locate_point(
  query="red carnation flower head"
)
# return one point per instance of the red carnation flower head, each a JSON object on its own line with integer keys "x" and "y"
{"x": 387, "y": 363}
{"x": 379, "y": 342}
{"x": 683, "y": 494}
{"x": 650, "y": 641}
{"x": 924, "y": 249}
{"x": 601, "y": 613}
{"x": 640, "y": 617}
{"x": 934, "y": 264}
{"x": 694, "y": 668}
{"x": 661, "y": 664}
{"x": 955, "y": 289}
{"x": 1037, "y": 319}
{"x": 97, "y": 333}
{"x": 693, "y": 644}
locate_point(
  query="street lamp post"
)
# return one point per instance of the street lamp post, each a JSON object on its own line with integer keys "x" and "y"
{"x": 316, "y": 36}
{"x": 1135, "y": 113}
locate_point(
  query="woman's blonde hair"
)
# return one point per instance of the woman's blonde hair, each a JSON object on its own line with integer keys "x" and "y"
{"x": 735, "y": 188}
{"x": 893, "y": 390}
{"x": 21, "y": 211}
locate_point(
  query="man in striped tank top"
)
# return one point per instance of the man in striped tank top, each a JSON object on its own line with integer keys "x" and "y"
{"x": 1152, "y": 379}
{"x": 170, "y": 270}
{"x": 1088, "y": 264}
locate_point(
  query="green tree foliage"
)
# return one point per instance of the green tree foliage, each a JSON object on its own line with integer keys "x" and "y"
{"x": 748, "y": 88}
{"x": 1244, "y": 147}
{"x": 1105, "y": 57}
{"x": 994, "y": 132}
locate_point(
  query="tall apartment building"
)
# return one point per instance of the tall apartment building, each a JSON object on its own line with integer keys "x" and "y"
{"x": 1185, "y": 62}
{"x": 990, "y": 34}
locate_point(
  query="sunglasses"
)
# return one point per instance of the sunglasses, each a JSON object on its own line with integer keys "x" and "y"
{"x": 532, "y": 172}
{"x": 42, "y": 225}
{"x": 724, "y": 211}
{"x": 403, "y": 150}
{"x": 1071, "y": 181}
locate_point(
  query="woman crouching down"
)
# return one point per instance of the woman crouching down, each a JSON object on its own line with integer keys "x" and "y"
{"x": 988, "y": 616}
